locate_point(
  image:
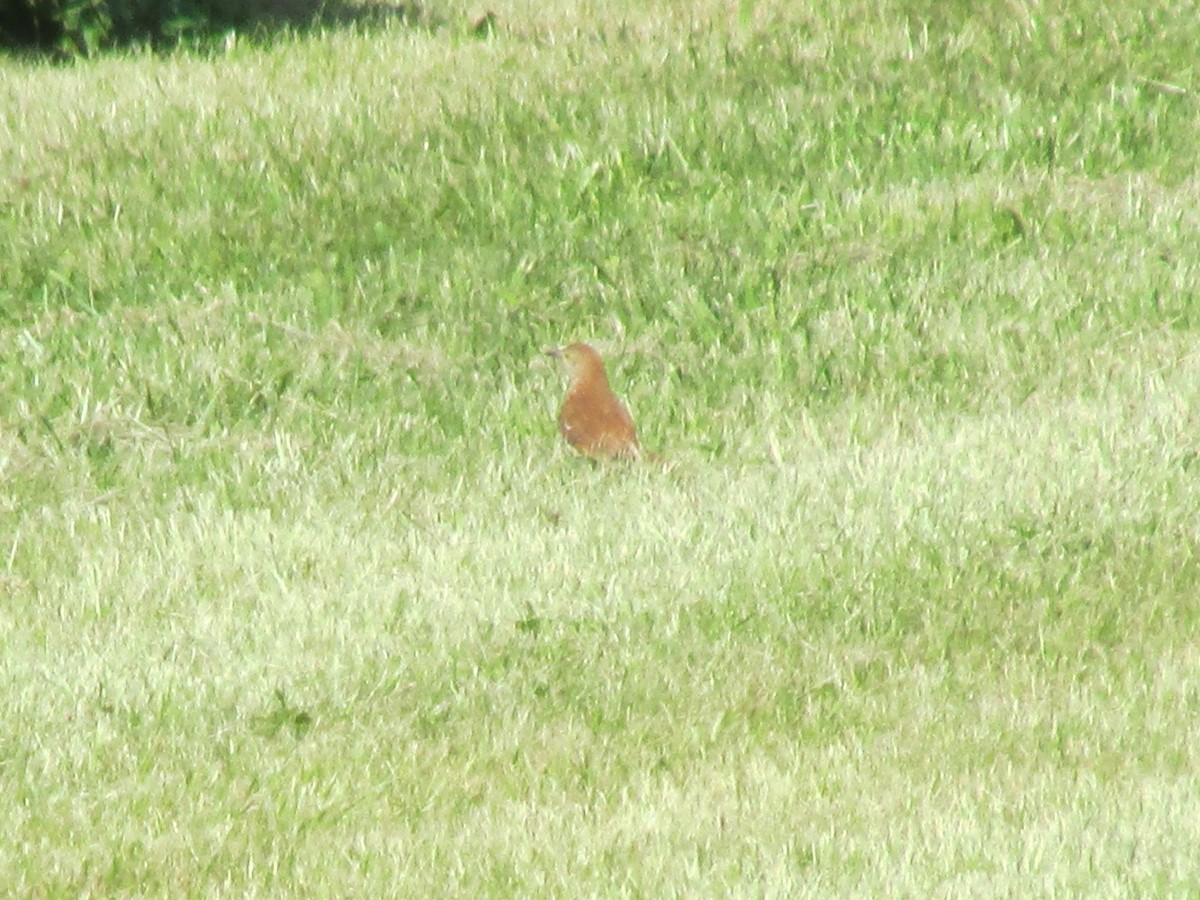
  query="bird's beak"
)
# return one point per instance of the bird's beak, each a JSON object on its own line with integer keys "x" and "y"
{"x": 556, "y": 352}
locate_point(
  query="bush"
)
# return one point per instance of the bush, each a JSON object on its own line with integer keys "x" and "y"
{"x": 84, "y": 26}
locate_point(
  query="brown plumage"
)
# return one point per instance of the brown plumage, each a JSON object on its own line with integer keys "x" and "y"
{"x": 593, "y": 420}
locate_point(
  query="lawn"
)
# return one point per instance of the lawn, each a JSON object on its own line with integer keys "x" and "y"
{"x": 304, "y": 595}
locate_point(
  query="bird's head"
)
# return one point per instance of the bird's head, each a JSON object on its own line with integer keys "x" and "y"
{"x": 580, "y": 361}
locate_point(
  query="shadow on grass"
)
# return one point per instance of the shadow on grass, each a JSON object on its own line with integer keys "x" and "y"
{"x": 31, "y": 28}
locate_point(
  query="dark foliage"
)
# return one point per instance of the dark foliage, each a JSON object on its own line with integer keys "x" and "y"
{"x": 84, "y": 26}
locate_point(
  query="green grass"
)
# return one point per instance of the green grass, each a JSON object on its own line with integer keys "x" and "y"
{"x": 303, "y": 595}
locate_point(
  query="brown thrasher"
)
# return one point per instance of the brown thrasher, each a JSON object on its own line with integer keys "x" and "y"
{"x": 593, "y": 420}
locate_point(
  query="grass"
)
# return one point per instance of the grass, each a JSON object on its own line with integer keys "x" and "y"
{"x": 302, "y": 595}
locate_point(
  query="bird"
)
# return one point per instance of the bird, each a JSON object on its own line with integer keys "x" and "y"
{"x": 593, "y": 419}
